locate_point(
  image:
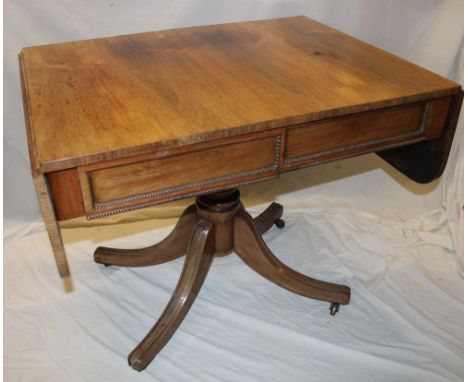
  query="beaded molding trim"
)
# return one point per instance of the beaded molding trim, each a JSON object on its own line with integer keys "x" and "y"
{"x": 152, "y": 194}
{"x": 325, "y": 159}
{"x": 376, "y": 142}
{"x": 173, "y": 198}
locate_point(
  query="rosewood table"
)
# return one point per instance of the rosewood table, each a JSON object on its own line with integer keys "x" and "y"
{"x": 120, "y": 123}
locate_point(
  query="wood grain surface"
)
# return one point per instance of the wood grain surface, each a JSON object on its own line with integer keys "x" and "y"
{"x": 124, "y": 184}
{"x": 114, "y": 97}
{"x": 65, "y": 191}
{"x": 182, "y": 170}
{"x": 333, "y": 134}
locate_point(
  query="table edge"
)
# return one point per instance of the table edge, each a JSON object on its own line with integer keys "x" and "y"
{"x": 45, "y": 166}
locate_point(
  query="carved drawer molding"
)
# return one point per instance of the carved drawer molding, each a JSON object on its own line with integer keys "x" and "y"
{"x": 316, "y": 142}
{"x": 137, "y": 182}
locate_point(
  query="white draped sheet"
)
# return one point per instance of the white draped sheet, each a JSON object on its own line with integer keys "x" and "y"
{"x": 398, "y": 245}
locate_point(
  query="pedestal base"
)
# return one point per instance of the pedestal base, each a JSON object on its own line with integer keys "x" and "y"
{"x": 216, "y": 225}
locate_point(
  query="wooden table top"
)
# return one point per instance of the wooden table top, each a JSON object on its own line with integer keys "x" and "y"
{"x": 93, "y": 100}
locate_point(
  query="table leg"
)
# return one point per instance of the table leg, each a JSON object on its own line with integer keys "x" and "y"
{"x": 251, "y": 248}
{"x": 196, "y": 266}
{"x": 170, "y": 248}
{"x": 51, "y": 223}
{"x": 272, "y": 215}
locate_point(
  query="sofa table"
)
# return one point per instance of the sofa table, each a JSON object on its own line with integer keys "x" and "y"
{"x": 120, "y": 123}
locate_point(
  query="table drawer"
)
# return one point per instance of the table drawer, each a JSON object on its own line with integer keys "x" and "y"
{"x": 339, "y": 137}
{"x": 139, "y": 182}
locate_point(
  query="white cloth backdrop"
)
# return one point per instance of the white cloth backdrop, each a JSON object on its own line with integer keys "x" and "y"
{"x": 399, "y": 245}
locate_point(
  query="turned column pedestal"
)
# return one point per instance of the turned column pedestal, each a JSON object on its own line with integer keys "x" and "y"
{"x": 217, "y": 224}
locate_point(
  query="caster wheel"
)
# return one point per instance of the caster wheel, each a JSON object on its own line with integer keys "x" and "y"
{"x": 107, "y": 265}
{"x": 334, "y": 308}
{"x": 280, "y": 223}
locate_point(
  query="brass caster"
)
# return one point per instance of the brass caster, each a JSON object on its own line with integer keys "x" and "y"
{"x": 279, "y": 223}
{"x": 334, "y": 308}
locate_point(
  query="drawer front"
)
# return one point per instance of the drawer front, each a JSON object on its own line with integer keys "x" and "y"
{"x": 145, "y": 181}
{"x": 334, "y": 138}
